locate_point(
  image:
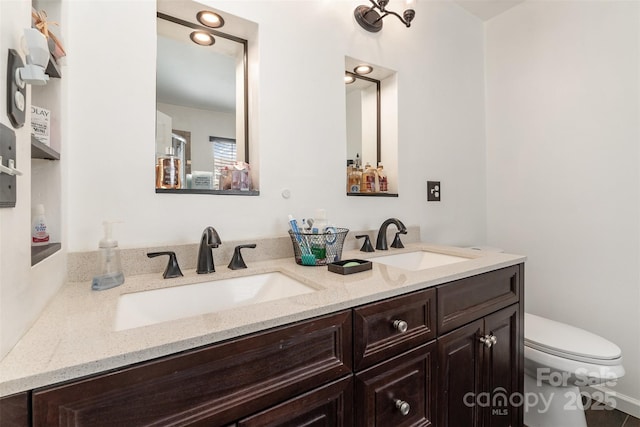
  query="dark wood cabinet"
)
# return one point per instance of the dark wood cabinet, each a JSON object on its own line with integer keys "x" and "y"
{"x": 399, "y": 392}
{"x": 504, "y": 367}
{"x": 459, "y": 375}
{"x": 213, "y": 386}
{"x": 450, "y": 355}
{"x": 328, "y": 406}
{"x": 14, "y": 410}
{"x": 479, "y": 371}
{"x": 387, "y": 328}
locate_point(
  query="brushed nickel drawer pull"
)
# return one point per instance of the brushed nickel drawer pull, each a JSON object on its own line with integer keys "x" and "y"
{"x": 403, "y": 406}
{"x": 400, "y": 325}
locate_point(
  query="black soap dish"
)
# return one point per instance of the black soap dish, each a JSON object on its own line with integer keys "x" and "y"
{"x": 349, "y": 266}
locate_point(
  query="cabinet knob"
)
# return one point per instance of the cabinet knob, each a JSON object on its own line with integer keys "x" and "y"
{"x": 489, "y": 340}
{"x": 400, "y": 325}
{"x": 403, "y": 406}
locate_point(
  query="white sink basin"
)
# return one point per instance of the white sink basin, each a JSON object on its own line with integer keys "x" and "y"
{"x": 419, "y": 260}
{"x": 160, "y": 305}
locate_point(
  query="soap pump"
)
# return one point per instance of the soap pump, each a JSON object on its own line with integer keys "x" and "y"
{"x": 109, "y": 273}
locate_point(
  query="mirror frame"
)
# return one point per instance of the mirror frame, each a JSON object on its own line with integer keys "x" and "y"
{"x": 378, "y": 113}
{"x": 245, "y": 62}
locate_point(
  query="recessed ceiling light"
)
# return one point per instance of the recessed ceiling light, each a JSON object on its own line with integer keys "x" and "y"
{"x": 363, "y": 69}
{"x": 348, "y": 78}
{"x": 210, "y": 19}
{"x": 202, "y": 38}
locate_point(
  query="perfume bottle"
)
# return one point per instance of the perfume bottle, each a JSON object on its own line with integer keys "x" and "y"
{"x": 383, "y": 181}
{"x": 368, "y": 179}
{"x": 168, "y": 171}
{"x": 355, "y": 180}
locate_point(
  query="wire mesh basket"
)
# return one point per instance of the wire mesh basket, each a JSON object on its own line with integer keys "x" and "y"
{"x": 319, "y": 248}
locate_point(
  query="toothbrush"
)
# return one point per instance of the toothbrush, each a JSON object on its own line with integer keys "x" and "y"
{"x": 307, "y": 257}
{"x": 296, "y": 231}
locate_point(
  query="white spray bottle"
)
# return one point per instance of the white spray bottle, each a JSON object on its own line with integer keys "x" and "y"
{"x": 109, "y": 274}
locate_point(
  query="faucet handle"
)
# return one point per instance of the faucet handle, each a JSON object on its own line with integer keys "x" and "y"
{"x": 237, "y": 262}
{"x": 173, "y": 269}
{"x": 366, "y": 246}
{"x": 397, "y": 243}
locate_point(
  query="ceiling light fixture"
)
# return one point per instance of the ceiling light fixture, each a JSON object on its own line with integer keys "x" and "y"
{"x": 202, "y": 38}
{"x": 371, "y": 20}
{"x": 363, "y": 69}
{"x": 348, "y": 78}
{"x": 210, "y": 19}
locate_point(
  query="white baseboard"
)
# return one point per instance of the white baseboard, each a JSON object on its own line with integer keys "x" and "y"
{"x": 624, "y": 403}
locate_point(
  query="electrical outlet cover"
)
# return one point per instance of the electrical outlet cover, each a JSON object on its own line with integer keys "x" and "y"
{"x": 16, "y": 95}
{"x": 433, "y": 191}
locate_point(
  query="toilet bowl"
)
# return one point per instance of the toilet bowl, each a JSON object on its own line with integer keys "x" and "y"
{"x": 559, "y": 359}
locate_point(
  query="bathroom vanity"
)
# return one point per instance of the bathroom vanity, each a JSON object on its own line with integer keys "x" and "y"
{"x": 420, "y": 357}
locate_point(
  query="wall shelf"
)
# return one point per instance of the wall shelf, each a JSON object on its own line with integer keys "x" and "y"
{"x": 53, "y": 69}
{"x": 42, "y": 151}
{"x": 220, "y": 192}
{"x": 38, "y": 253}
{"x": 373, "y": 194}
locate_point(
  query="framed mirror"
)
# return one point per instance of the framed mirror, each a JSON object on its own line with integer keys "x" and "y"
{"x": 371, "y": 127}
{"x": 202, "y": 125}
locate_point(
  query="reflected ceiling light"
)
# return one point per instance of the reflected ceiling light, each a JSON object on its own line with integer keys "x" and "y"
{"x": 210, "y": 19}
{"x": 370, "y": 18}
{"x": 348, "y": 78}
{"x": 202, "y": 38}
{"x": 363, "y": 69}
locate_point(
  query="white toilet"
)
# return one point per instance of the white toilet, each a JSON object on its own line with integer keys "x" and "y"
{"x": 558, "y": 360}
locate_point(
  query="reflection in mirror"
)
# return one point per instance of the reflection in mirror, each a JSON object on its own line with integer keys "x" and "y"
{"x": 201, "y": 98}
{"x": 371, "y": 124}
{"x": 363, "y": 118}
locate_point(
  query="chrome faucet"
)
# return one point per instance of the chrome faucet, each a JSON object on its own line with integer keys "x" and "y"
{"x": 381, "y": 241}
{"x": 209, "y": 240}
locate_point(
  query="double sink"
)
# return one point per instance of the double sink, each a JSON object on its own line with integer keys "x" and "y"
{"x": 160, "y": 305}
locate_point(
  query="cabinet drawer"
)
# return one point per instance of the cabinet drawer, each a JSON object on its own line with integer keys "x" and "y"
{"x": 330, "y": 405}
{"x": 377, "y": 335}
{"x": 408, "y": 379}
{"x": 215, "y": 385}
{"x": 466, "y": 300}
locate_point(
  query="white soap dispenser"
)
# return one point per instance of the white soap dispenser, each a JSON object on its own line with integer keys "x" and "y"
{"x": 109, "y": 274}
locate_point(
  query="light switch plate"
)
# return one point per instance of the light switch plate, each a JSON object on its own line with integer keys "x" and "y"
{"x": 16, "y": 95}
{"x": 7, "y": 182}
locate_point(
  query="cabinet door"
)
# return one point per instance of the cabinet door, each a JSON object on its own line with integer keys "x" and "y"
{"x": 399, "y": 392}
{"x": 327, "y": 406}
{"x": 14, "y": 410}
{"x": 503, "y": 368}
{"x": 459, "y": 376}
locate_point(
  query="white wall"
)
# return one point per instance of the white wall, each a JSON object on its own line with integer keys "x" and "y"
{"x": 302, "y": 129}
{"x": 562, "y": 164}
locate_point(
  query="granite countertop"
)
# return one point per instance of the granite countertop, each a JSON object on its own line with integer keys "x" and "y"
{"x": 75, "y": 337}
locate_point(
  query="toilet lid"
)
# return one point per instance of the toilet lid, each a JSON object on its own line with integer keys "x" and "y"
{"x": 568, "y": 341}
